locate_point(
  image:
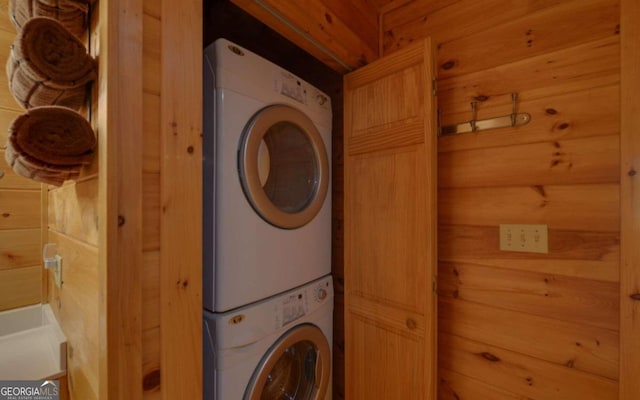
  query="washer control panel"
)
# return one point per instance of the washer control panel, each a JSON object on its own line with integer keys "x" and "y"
{"x": 296, "y": 304}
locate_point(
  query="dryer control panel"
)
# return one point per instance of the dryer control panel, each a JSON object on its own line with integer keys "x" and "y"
{"x": 289, "y": 85}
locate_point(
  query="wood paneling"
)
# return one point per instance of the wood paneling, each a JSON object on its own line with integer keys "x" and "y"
{"x": 526, "y": 326}
{"x": 151, "y": 127}
{"x": 401, "y": 356}
{"x": 73, "y": 210}
{"x": 441, "y": 19}
{"x": 561, "y": 207}
{"x": 181, "y": 201}
{"x": 11, "y": 180}
{"x": 526, "y": 376}
{"x": 583, "y": 301}
{"x": 120, "y": 183}
{"x": 455, "y": 386}
{"x": 585, "y": 113}
{"x": 578, "y": 161}
{"x": 589, "y": 255}
{"x": 551, "y": 29}
{"x": 19, "y": 209}
{"x": 21, "y": 277}
{"x": 75, "y": 305}
{"x": 630, "y": 204}
{"x": 151, "y": 61}
{"x": 20, "y": 287}
{"x": 578, "y": 346}
{"x": 151, "y": 177}
{"x": 337, "y": 33}
{"x": 151, "y": 211}
{"x": 19, "y": 248}
{"x": 73, "y": 226}
{"x": 582, "y": 67}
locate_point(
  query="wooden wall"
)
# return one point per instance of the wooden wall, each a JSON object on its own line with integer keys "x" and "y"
{"x": 117, "y": 287}
{"x": 21, "y": 277}
{"x": 630, "y": 201}
{"x": 518, "y": 325}
{"x": 151, "y": 46}
{"x": 73, "y": 224}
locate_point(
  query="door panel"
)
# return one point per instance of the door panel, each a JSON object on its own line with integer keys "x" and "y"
{"x": 390, "y": 227}
{"x": 402, "y": 355}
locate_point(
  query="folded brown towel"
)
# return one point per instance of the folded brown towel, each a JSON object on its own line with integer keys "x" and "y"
{"x": 72, "y": 14}
{"x": 50, "y": 144}
{"x": 29, "y": 168}
{"x": 48, "y": 65}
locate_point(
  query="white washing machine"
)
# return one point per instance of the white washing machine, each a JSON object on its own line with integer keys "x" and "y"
{"x": 278, "y": 348}
{"x": 267, "y": 198}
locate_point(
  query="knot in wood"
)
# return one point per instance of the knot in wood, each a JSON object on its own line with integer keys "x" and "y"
{"x": 489, "y": 357}
{"x": 448, "y": 65}
{"x": 151, "y": 381}
{"x": 411, "y": 323}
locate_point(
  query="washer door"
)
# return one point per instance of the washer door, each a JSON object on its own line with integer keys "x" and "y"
{"x": 296, "y": 367}
{"x": 283, "y": 165}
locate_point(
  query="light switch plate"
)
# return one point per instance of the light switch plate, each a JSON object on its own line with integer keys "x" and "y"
{"x": 524, "y": 238}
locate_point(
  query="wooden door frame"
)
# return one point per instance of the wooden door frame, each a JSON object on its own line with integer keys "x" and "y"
{"x": 630, "y": 201}
{"x": 120, "y": 199}
{"x": 181, "y": 200}
{"x": 120, "y": 127}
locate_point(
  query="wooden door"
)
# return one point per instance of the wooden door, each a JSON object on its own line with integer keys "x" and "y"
{"x": 390, "y": 227}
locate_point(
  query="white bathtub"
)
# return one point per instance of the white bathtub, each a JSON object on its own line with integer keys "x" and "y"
{"x": 32, "y": 345}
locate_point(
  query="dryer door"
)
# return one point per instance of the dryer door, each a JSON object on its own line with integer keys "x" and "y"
{"x": 283, "y": 166}
{"x": 296, "y": 367}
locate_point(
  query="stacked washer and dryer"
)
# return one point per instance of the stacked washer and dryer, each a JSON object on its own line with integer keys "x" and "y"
{"x": 268, "y": 295}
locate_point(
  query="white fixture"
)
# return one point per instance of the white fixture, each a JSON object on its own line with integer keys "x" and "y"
{"x": 276, "y": 348}
{"x": 524, "y": 238}
{"x": 267, "y": 196}
{"x": 32, "y": 344}
{"x": 52, "y": 260}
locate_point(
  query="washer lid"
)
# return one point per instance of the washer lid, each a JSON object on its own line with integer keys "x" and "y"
{"x": 283, "y": 166}
{"x": 296, "y": 367}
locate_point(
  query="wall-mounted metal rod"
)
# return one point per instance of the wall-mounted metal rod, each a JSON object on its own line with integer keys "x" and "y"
{"x": 475, "y": 125}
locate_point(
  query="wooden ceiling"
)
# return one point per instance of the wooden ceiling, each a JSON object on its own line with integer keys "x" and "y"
{"x": 344, "y": 35}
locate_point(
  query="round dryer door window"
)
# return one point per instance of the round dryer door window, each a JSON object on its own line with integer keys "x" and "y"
{"x": 296, "y": 367}
{"x": 283, "y": 165}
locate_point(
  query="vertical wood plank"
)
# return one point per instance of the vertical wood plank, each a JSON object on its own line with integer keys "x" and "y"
{"x": 181, "y": 200}
{"x": 120, "y": 199}
{"x": 44, "y": 235}
{"x": 630, "y": 203}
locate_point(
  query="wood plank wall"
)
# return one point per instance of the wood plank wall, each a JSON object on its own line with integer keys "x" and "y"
{"x": 73, "y": 224}
{"x": 518, "y": 325}
{"x": 151, "y": 63}
{"x": 21, "y": 277}
{"x": 630, "y": 202}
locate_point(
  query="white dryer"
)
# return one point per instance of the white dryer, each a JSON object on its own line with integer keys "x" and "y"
{"x": 279, "y": 348}
{"x": 267, "y": 201}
